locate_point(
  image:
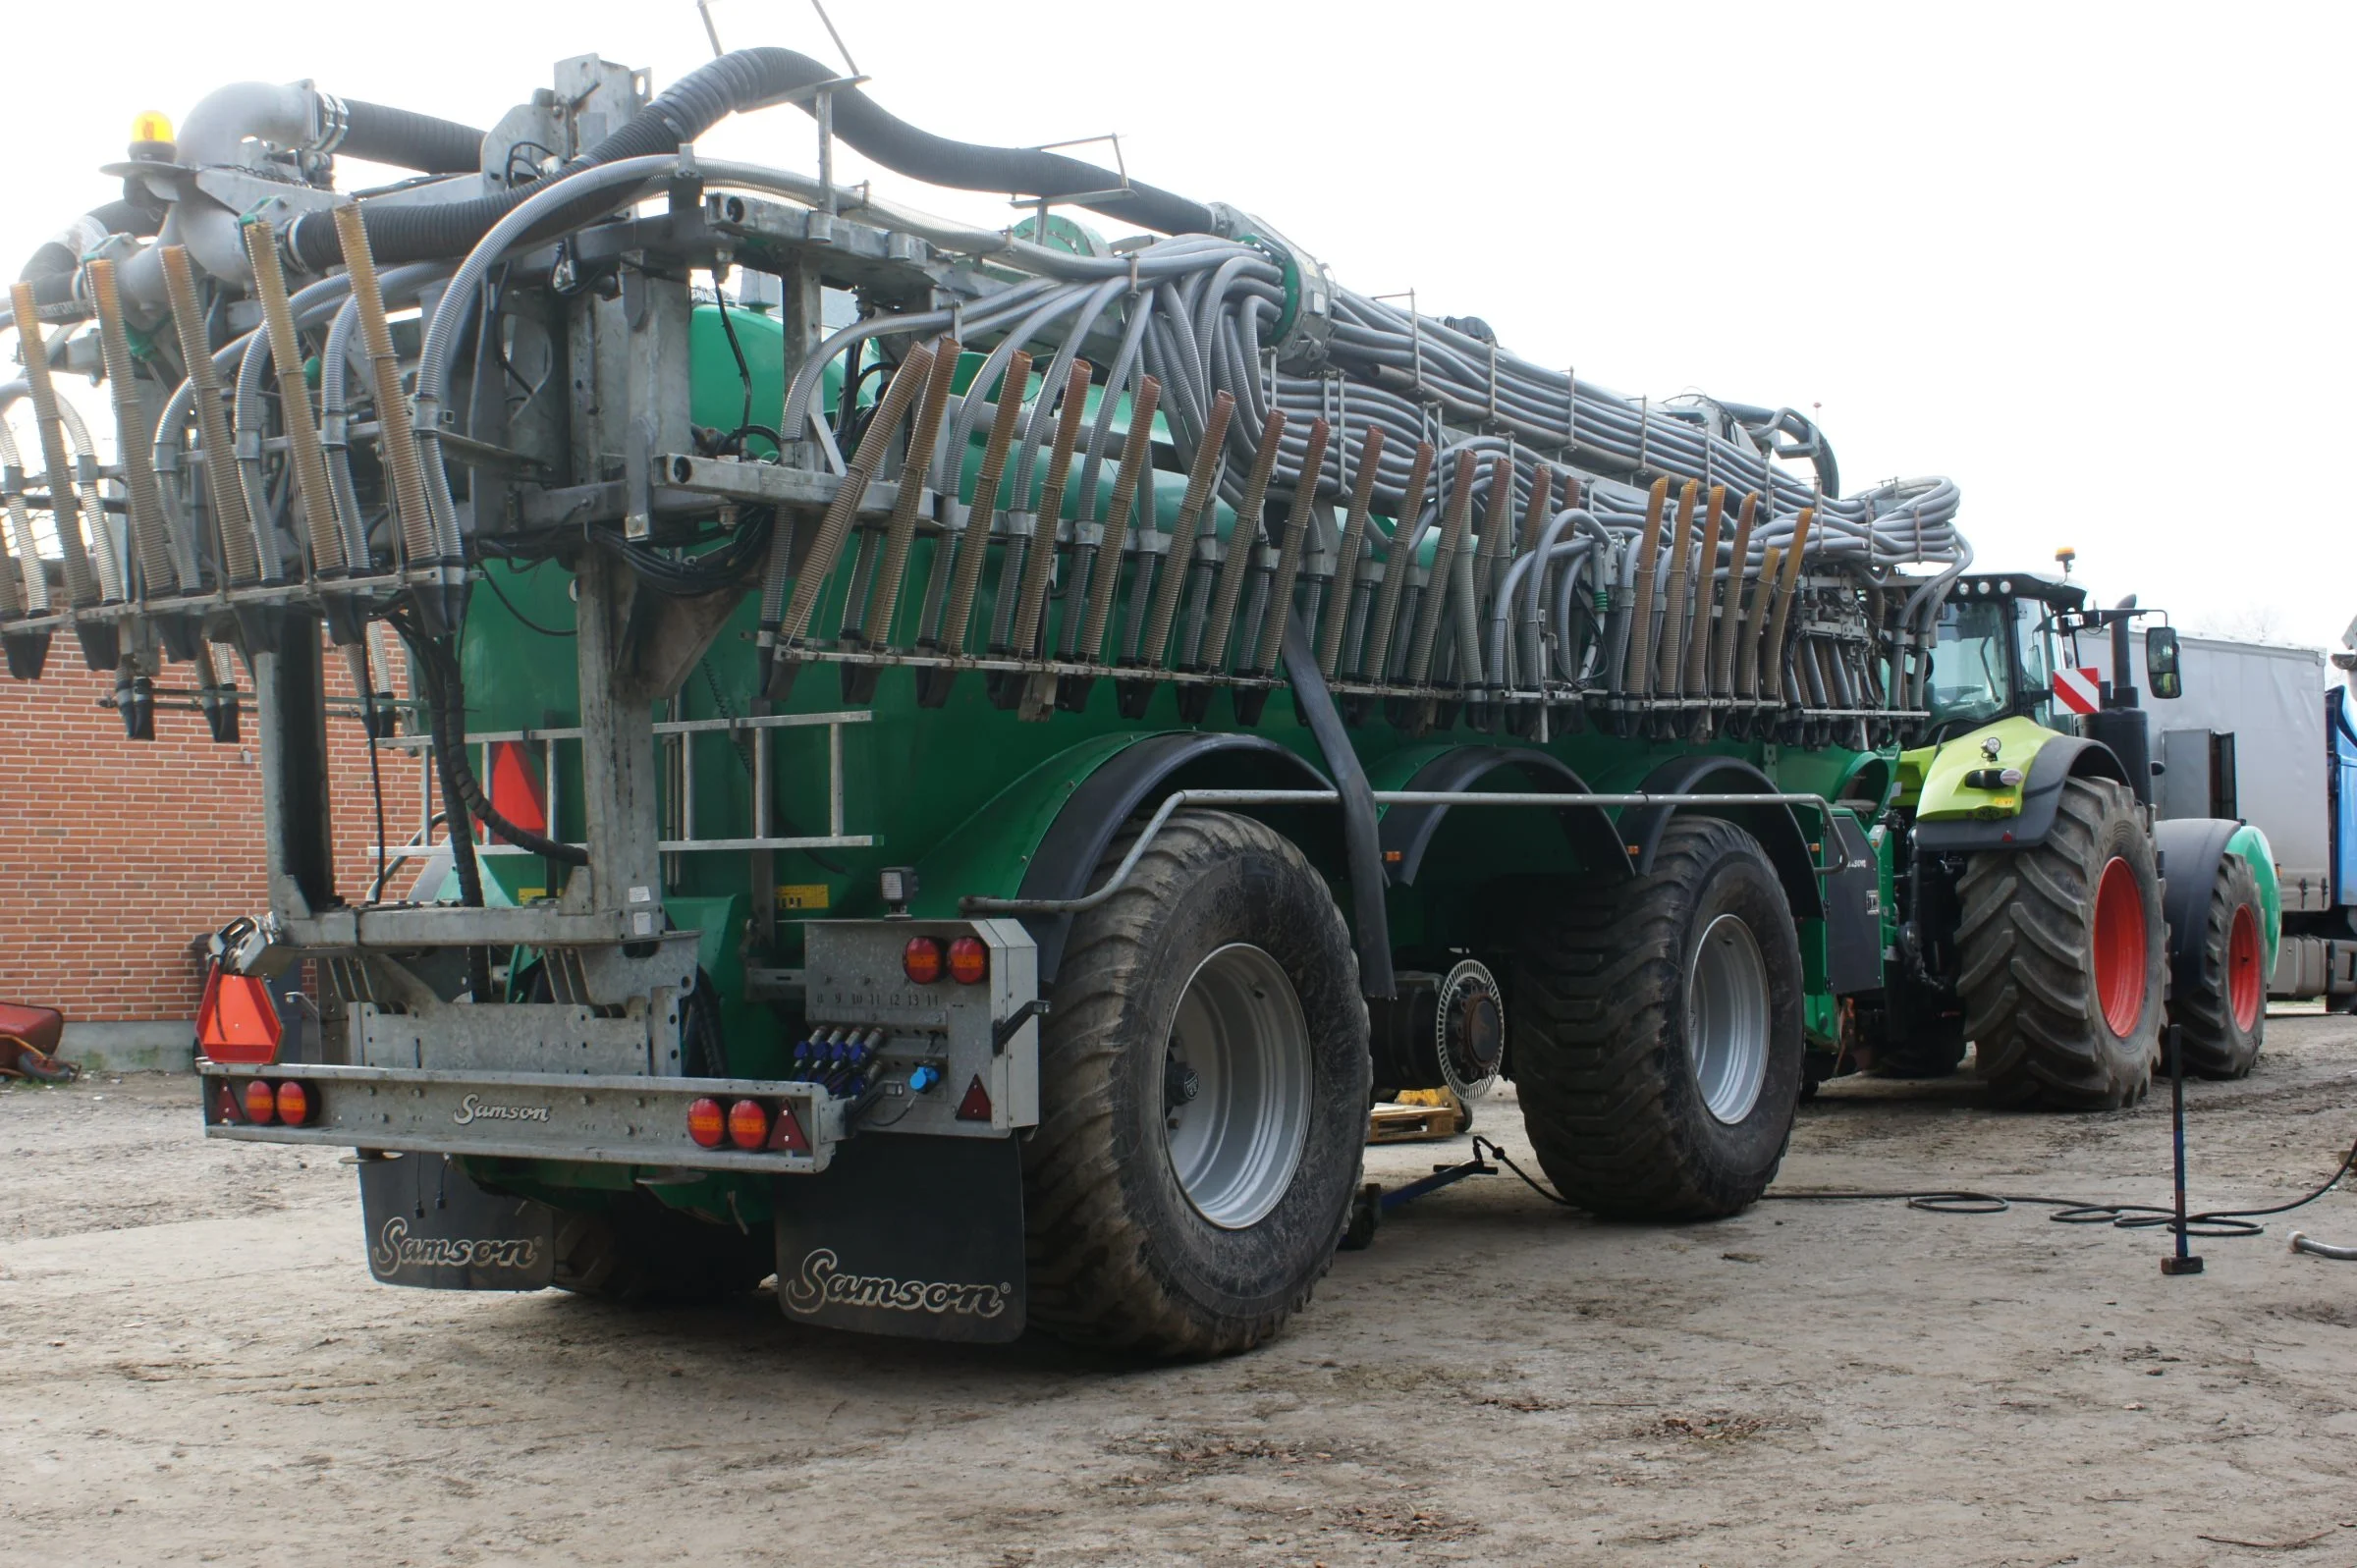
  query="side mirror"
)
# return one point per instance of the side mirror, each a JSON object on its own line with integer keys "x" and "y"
{"x": 2162, "y": 675}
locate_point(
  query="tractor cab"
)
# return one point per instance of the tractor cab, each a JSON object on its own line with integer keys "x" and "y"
{"x": 1995, "y": 653}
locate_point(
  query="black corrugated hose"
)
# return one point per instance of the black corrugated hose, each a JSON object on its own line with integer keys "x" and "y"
{"x": 749, "y": 78}
{"x": 408, "y": 139}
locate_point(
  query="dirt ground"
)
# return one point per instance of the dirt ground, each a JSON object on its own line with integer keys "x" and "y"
{"x": 195, "y": 1367}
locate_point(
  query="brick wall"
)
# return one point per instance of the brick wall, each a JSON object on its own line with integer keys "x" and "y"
{"x": 116, "y": 854}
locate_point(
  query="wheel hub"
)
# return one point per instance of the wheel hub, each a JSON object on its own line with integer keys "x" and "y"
{"x": 2119, "y": 948}
{"x": 2246, "y": 978}
{"x": 1237, "y": 1086}
{"x": 1471, "y": 1026}
{"x": 1727, "y": 1018}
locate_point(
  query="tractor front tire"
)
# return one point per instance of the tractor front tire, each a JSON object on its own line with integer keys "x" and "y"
{"x": 1203, "y": 1077}
{"x": 2219, "y": 1008}
{"x": 2062, "y": 951}
{"x": 1657, "y": 1032}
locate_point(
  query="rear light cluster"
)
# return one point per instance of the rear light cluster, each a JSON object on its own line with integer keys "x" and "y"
{"x": 966, "y": 959}
{"x": 751, "y": 1125}
{"x": 262, "y": 1103}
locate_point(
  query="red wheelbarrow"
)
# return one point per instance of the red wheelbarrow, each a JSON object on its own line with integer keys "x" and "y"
{"x": 28, "y": 1039}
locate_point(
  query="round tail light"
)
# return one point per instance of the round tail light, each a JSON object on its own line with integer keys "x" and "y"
{"x": 261, "y": 1103}
{"x": 706, "y": 1123}
{"x": 920, "y": 960}
{"x": 293, "y": 1104}
{"x": 969, "y": 961}
{"x": 749, "y": 1125}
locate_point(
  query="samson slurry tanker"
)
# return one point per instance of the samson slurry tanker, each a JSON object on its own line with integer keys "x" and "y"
{"x": 957, "y": 760}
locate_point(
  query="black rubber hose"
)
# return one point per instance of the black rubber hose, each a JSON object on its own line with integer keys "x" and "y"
{"x": 409, "y": 141}
{"x": 116, "y": 217}
{"x": 447, "y": 710}
{"x": 1016, "y": 171}
{"x": 446, "y": 719}
{"x": 730, "y": 84}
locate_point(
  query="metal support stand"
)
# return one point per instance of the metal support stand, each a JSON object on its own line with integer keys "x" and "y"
{"x": 2182, "y": 1262}
{"x": 1368, "y": 1209}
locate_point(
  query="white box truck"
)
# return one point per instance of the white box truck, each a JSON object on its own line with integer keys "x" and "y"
{"x": 2268, "y": 733}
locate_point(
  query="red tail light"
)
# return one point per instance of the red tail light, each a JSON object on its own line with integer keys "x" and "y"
{"x": 706, "y": 1123}
{"x": 293, "y": 1104}
{"x": 261, "y": 1103}
{"x": 749, "y": 1125}
{"x": 969, "y": 961}
{"x": 920, "y": 960}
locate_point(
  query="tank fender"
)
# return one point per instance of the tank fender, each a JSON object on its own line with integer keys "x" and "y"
{"x": 2062, "y": 757}
{"x": 1407, "y": 830}
{"x": 1134, "y": 778}
{"x": 1776, "y": 826}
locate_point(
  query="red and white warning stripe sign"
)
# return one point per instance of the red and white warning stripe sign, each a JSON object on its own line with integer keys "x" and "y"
{"x": 2079, "y": 690}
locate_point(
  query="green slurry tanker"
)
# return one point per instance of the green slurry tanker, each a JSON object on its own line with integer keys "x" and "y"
{"x": 956, "y": 760}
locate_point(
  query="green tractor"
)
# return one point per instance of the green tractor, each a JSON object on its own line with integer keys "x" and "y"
{"x": 2036, "y": 908}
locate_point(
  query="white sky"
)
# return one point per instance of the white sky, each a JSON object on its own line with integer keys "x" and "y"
{"x": 2087, "y": 259}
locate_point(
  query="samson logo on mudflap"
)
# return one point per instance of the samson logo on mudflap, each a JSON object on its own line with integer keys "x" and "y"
{"x": 396, "y": 1249}
{"x": 476, "y": 1109}
{"x": 823, "y": 1283}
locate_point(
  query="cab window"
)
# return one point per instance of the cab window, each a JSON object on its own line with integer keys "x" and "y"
{"x": 2036, "y": 638}
{"x": 1969, "y": 681}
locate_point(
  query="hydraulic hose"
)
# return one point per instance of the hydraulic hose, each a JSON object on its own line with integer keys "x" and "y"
{"x": 446, "y": 716}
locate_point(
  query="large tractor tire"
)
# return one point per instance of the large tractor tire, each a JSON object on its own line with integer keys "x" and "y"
{"x": 2061, "y": 949}
{"x": 1203, "y": 1078}
{"x": 641, "y": 1249}
{"x": 1657, "y": 1032}
{"x": 2220, "y": 1004}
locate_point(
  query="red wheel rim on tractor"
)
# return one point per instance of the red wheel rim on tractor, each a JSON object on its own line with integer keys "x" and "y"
{"x": 2246, "y": 989}
{"x": 2119, "y": 948}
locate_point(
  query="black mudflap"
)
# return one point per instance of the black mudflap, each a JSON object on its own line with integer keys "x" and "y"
{"x": 917, "y": 1236}
{"x": 430, "y": 1226}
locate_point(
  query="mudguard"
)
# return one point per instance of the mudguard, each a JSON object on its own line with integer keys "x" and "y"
{"x": 1085, "y": 798}
{"x": 1777, "y": 829}
{"x": 2062, "y": 757}
{"x": 2192, "y": 848}
{"x": 917, "y": 1237}
{"x": 430, "y": 1226}
{"x": 1407, "y": 830}
{"x": 1082, "y": 818}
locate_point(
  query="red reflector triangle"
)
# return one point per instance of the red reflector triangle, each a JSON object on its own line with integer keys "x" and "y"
{"x": 975, "y": 1106}
{"x": 517, "y": 792}
{"x": 788, "y": 1134}
{"x": 235, "y": 1022}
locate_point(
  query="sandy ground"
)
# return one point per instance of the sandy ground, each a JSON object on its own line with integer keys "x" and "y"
{"x": 195, "y": 1367}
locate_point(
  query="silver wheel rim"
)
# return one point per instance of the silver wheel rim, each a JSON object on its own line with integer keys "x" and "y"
{"x": 1239, "y": 1043}
{"x": 1727, "y": 1018}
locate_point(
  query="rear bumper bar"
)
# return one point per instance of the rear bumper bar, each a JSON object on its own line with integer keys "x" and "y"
{"x": 599, "y": 1119}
